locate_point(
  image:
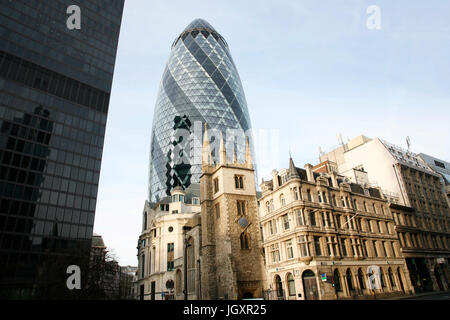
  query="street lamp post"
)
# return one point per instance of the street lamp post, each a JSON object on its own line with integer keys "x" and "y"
{"x": 186, "y": 245}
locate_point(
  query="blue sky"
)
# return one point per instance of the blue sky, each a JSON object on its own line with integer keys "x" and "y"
{"x": 310, "y": 70}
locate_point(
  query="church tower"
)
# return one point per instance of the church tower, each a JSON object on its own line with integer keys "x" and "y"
{"x": 232, "y": 260}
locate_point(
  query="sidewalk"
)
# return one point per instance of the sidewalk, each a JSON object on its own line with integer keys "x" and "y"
{"x": 424, "y": 294}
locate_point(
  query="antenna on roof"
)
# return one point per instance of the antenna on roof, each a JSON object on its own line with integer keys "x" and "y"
{"x": 321, "y": 153}
{"x": 341, "y": 141}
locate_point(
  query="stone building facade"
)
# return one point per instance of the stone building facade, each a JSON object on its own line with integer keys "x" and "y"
{"x": 424, "y": 231}
{"x": 231, "y": 255}
{"x": 325, "y": 238}
{"x": 161, "y": 247}
{"x": 207, "y": 234}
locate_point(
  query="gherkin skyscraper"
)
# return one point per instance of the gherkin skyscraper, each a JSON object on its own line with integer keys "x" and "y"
{"x": 200, "y": 86}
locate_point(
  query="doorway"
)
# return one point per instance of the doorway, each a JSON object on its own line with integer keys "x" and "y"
{"x": 310, "y": 285}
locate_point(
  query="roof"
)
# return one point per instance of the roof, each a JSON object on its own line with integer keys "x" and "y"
{"x": 97, "y": 241}
{"x": 199, "y": 24}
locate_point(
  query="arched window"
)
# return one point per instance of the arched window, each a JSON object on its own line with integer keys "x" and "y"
{"x": 291, "y": 284}
{"x": 348, "y": 275}
{"x": 178, "y": 282}
{"x": 244, "y": 241}
{"x": 190, "y": 256}
{"x": 279, "y": 286}
{"x": 391, "y": 278}
{"x": 362, "y": 283}
{"x": 383, "y": 284}
{"x": 337, "y": 280}
{"x": 268, "y": 206}
{"x": 365, "y": 206}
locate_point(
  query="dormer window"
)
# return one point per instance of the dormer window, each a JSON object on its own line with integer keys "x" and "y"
{"x": 175, "y": 198}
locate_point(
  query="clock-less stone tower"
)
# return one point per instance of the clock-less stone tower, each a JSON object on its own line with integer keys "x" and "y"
{"x": 232, "y": 260}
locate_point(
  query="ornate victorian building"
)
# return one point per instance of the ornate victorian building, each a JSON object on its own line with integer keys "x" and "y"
{"x": 327, "y": 238}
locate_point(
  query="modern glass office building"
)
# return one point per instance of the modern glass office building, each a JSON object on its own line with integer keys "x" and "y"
{"x": 200, "y": 84}
{"x": 55, "y": 86}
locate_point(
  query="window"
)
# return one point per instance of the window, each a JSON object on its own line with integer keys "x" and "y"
{"x": 361, "y": 281}
{"x": 364, "y": 247}
{"x": 244, "y": 241}
{"x": 145, "y": 221}
{"x": 240, "y": 207}
{"x": 272, "y": 227}
{"x": 268, "y": 206}
{"x": 164, "y": 207}
{"x": 324, "y": 197}
{"x": 170, "y": 256}
{"x": 217, "y": 206}
{"x": 326, "y": 221}
{"x": 365, "y": 206}
{"x": 285, "y": 219}
{"x": 181, "y": 198}
{"x": 291, "y": 284}
{"x": 317, "y": 247}
{"x": 282, "y": 200}
{"x": 337, "y": 280}
{"x": 300, "y": 218}
{"x": 374, "y": 208}
{"x": 338, "y": 221}
{"x": 375, "y": 248}
{"x": 195, "y": 201}
{"x": 383, "y": 284}
{"x": 216, "y": 185}
{"x": 239, "y": 181}
{"x": 319, "y": 196}
{"x": 343, "y": 247}
{"x": 175, "y": 198}
{"x": 143, "y": 243}
{"x": 308, "y": 193}
{"x": 303, "y": 244}
{"x": 391, "y": 279}
{"x": 334, "y": 200}
{"x": 332, "y": 246}
{"x": 295, "y": 194}
{"x": 312, "y": 218}
{"x": 289, "y": 250}
{"x": 275, "y": 252}
{"x": 343, "y": 202}
{"x": 143, "y": 266}
{"x": 348, "y": 275}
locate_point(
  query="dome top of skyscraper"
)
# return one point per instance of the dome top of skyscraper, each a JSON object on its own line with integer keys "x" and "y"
{"x": 200, "y": 26}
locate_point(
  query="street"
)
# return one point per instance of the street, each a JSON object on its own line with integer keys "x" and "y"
{"x": 435, "y": 296}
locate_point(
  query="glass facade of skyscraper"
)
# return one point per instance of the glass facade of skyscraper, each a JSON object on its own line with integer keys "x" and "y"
{"x": 200, "y": 85}
{"x": 55, "y": 85}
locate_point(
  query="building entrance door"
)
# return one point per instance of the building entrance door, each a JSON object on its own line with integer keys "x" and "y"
{"x": 437, "y": 275}
{"x": 310, "y": 285}
{"x": 152, "y": 290}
